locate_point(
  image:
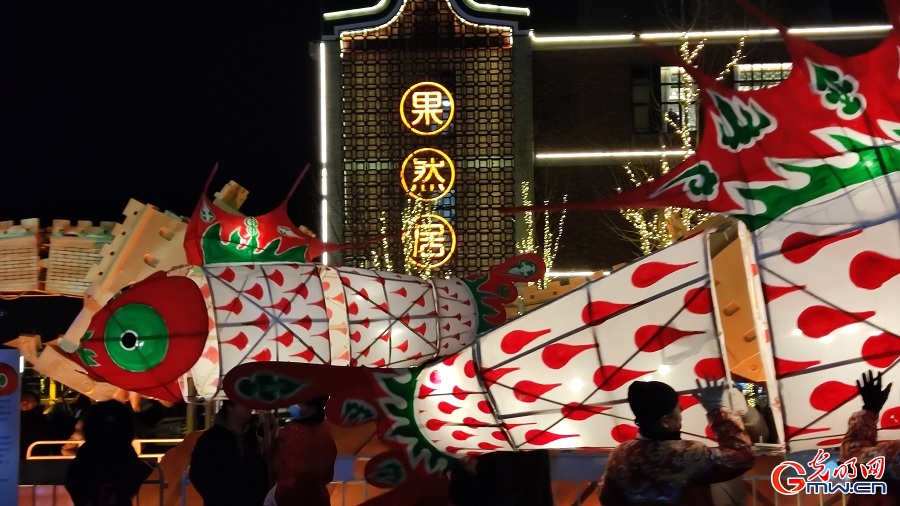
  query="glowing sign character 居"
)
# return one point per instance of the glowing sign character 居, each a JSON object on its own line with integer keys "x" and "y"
{"x": 423, "y": 106}
{"x": 427, "y": 174}
{"x": 433, "y": 241}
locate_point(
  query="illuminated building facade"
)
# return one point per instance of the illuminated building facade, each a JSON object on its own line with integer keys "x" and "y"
{"x": 419, "y": 106}
{"x": 446, "y": 107}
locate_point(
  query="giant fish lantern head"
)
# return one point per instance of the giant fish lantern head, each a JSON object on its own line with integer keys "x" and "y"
{"x": 147, "y": 336}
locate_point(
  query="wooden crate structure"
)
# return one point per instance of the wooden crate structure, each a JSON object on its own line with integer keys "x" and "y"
{"x": 20, "y": 250}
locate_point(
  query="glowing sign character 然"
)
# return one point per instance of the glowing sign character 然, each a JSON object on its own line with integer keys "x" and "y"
{"x": 433, "y": 241}
{"x": 427, "y": 174}
{"x": 422, "y": 108}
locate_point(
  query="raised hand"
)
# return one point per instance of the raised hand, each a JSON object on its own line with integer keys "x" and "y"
{"x": 870, "y": 390}
{"x": 711, "y": 394}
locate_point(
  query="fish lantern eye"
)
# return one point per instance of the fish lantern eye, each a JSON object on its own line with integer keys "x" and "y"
{"x": 136, "y": 337}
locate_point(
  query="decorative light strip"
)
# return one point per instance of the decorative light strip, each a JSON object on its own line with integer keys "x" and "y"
{"x": 678, "y": 37}
{"x": 609, "y": 154}
{"x": 571, "y": 274}
{"x": 323, "y": 152}
{"x": 352, "y": 13}
{"x": 379, "y": 27}
{"x": 499, "y": 9}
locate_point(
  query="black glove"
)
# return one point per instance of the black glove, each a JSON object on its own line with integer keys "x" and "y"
{"x": 870, "y": 390}
{"x": 711, "y": 395}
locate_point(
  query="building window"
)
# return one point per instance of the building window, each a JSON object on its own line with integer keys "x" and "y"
{"x": 678, "y": 98}
{"x": 642, "y": 103}
{"x": 754, "y": 76}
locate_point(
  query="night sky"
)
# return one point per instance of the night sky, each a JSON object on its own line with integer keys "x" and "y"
{"x": 106, "y": 101}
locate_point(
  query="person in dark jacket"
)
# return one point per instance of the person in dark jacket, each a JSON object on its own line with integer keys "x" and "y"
{"x": 33, "y": 424}
{"x": 658, "y": 467}
{"x": 503, "y": 479}
{"x": 107, "y": 471}
{"x": 227, "y": 465}
{"x": 861, "y": 442}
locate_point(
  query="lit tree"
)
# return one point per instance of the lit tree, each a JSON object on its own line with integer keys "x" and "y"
{"x": 382, "y": 256}
{"x": 655, "y": 229}
{"x": 550, "y": 238}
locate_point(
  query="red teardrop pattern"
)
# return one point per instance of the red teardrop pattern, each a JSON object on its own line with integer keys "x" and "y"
{"x": 541, "y": 438}
{"x": 712, "y": 368}
{"x": 830, "y": 442}
{"x": 793, "y": 432}
{"x": 469, "y": 369}
{"x": 881, "y": 350}
{"x": 240, "y": 341}
{"x": 650, "y": 273}
{"x": 800, "y": 246}
{"x": 653, "y": 338}
{"x": 484, "y": 445}
{"x": 474, "y": 422}
{"x": 698, "y": 300}
{"x": 447, "y": 408}
{"x": 687, "y": 401}
{"x": 460, "y": 393}
{"x": 771, "y": 292}
{"x": 784, "y": 367}
{"x": 870, "y": 270}
{"x": 400, "y": 291}
{"x": 285, "y": 339}
{"x": 578, "y": 412}
{"x": 529, "y": 391}
{"x": 234, "y": 307}
{"x": 709, "y": 433}
{"x": 830, "y": 395}
{"x": 307, "y": 355}
{"x": 498, "y": 435}
{"x": 820, "y": 321}
{"x": 262, "y": 323}
{"x": 493, "y": 375}
{"x": 595, "y": 311}
{"x": 276, "y": 277}
{"x": 484, "y": 407}
{"x": 518, "y": 339}
{"x": 624, "y": 432}
{"x": 890, "y": 419}
{"x": 227, "y": 275}
{"x": 460, "y": 435}
{"x": 434, "y": 424}
{"x": 451, "y": 359}
{"x": 256, "y": 291}
{"x": 435, "y": 377}
{"x": 556, "y": 356}
{"x": 610, "y": 377}
{"x": 424, "y": 391}
{"x": 263, "y": 356}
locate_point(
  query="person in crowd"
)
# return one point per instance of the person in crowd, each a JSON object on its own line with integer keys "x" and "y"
{"x": 80, "y": 408}
{"x": 861, "y": 441}
{"x": 107, "y": 471}
{"x": 305, "y": 456}
{"x": 734, "y": 492}
{"x": 503, "y": 479}
{"x": 659, "y": 467}
{"x": 33, "y": 424}
{"x": 228, "y": 467}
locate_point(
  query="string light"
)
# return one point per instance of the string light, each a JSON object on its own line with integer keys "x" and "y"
{"x": 656, "y": 229}
{"x": 550, "y": 240}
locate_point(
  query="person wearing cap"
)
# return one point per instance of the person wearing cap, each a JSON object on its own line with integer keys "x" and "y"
{"x": 861, "y": 442}
{"x": 659, "y": 467}
{"x": 305, "y": 456}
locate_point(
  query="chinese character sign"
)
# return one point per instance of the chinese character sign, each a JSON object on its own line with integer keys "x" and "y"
{"x": 433, "y": 241}
{"x": 427, "y": 174}
{"x": 427, "y": 108}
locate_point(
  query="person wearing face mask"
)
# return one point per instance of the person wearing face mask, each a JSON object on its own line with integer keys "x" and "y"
{"x": 304, "y": 458}
{"x": 659, "y": 467}
{"x": 228, "y": 467}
